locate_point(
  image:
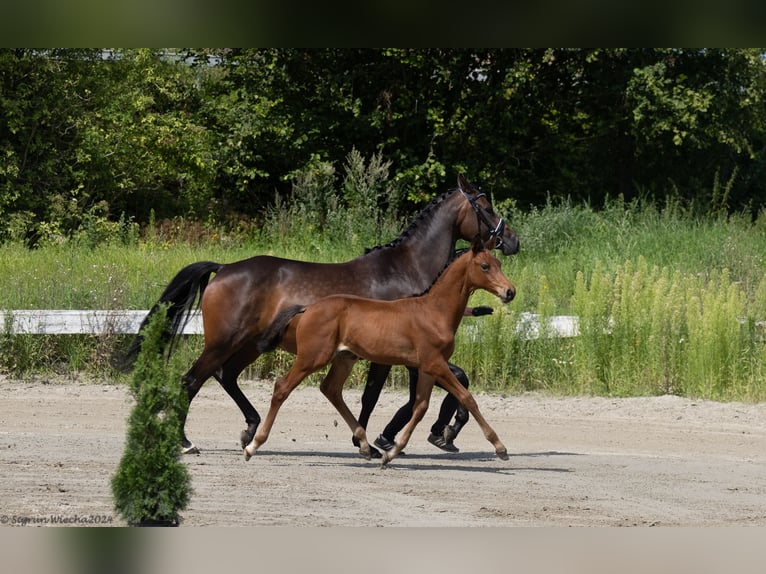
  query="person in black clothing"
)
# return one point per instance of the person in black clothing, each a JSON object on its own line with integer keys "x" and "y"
{"x": 442, "y": 433}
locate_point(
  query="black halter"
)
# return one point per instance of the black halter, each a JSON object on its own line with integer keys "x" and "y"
{"x": 497, "y": 231}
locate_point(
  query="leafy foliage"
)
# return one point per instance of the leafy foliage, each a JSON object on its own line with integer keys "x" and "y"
{"x": 213, "y": 134}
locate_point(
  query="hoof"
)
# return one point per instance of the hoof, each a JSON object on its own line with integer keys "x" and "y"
{"x": 245, "y": 438}
{"x": 189, "y": 449}
{"x": 374, "y": 453}
{"x": 502, "y": 453}
{"x": 248, "y": 454}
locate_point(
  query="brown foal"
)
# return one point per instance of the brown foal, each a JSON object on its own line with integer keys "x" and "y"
{"x": 417, "y": 332}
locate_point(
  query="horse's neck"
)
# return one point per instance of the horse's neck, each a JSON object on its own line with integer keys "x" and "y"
{"x": 429, "y": 244}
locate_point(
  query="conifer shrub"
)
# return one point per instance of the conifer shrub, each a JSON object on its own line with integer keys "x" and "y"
{"x": 151, "y": 485}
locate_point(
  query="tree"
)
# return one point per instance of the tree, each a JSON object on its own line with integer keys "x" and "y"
{"x": 208, "y": 133}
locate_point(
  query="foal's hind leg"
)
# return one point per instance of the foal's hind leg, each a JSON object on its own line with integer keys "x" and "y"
{"x": 282, "y": 389}
{"x": 332, "y": 388}
{"x": 423, "y": 390}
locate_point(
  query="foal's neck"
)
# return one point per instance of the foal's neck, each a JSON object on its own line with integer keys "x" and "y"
{"x": 450, "y": 293}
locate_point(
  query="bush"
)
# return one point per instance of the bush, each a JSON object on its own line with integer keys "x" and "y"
{"x": 151, "y": 484}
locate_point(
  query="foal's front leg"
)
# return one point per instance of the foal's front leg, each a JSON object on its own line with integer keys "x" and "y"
{"x": 450, "y": 384}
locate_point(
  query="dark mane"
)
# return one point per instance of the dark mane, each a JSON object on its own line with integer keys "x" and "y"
{"x": 455, "y": 255}
{"x": 414, "y": 224}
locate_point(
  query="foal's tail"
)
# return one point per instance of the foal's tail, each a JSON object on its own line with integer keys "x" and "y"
{"x": 269, "y": 338}
{"x": 180, "y": 295}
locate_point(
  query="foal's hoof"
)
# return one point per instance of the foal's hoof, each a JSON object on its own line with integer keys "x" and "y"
{"x": 502, "y": 453}
{"x": 374, "y": 453}
{"x": 371, "y": 452}
{"x": 248, "y": 453}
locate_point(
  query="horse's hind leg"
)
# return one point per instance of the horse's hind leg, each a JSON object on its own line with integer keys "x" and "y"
{"x": 228, "y": 380}
{"x": 332, "y": 388}
{"x": 192, "y": 386}
{"x": 203, "y": 368}
{"x": 192, "y": 382}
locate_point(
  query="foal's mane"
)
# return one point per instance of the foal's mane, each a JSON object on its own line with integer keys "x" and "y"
{"x": 424, "y": 213}
{"x": 452, "y": 259}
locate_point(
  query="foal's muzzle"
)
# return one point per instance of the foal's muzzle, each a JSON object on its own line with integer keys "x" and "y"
{"x": 508, "y": 296}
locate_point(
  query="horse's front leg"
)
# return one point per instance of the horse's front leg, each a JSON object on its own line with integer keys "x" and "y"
{"x": 332, "y": 388}
{"x": 422, "y": 397}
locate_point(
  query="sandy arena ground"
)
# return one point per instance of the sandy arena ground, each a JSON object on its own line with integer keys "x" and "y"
{"x": 661, "y": 461}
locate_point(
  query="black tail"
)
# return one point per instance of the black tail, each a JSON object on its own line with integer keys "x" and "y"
{"x": 270, "y": 337}
{"x": 180, "y": 295}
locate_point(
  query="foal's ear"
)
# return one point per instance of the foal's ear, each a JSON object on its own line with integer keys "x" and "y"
{"x": 477, "y": 245}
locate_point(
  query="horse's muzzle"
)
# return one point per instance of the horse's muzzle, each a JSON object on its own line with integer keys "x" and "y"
{"x": 509, "y": 244}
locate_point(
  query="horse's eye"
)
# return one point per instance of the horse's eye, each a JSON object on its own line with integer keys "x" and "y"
{"x": 485, "y": 267}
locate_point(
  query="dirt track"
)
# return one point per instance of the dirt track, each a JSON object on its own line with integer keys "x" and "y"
{"x": 581, "y": 461}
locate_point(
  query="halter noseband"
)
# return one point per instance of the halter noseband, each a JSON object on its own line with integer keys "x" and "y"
{"x": 495, "y": 232}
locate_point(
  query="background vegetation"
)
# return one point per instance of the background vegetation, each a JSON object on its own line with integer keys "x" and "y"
{"x": 633, "y": 178}
{"x": 94, "y": 136}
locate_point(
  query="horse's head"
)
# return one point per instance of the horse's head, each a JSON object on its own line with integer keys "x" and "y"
{"x": 479, "y": 218}
{"x": 485, "y": 272}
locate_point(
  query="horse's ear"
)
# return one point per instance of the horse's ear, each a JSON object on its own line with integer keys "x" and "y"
{"x": 477, "y": 245}
{"x": 463, "y": 184}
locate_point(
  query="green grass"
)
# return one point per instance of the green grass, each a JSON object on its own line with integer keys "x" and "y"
{"x": 669, "y": 303}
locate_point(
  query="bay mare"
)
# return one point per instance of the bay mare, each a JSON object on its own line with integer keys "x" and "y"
{"x": 244, "y": 297}
{"x": 418, "y": 332}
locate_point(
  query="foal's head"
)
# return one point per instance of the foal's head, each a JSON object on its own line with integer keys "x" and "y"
{"x": 484, "y": 272}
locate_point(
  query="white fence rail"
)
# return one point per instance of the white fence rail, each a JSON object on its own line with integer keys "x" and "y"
{"x": 66, "y": 322}
{"x": 124, "y": 322}
{"x": 117, "y": 322}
